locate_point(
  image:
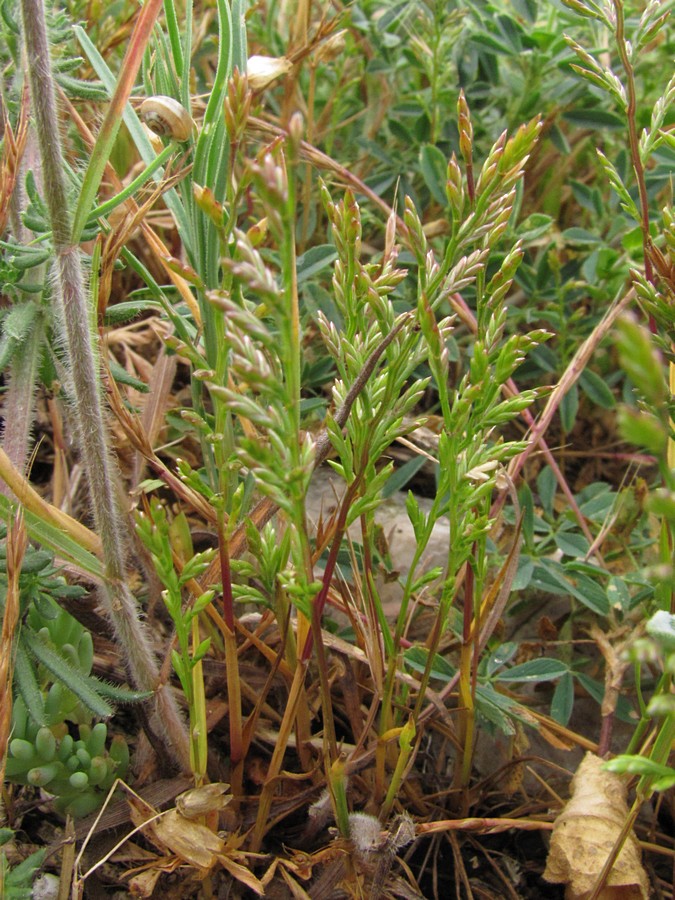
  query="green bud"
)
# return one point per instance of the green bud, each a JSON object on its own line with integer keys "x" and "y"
{"x": 465, "y": 128}
{"x": 454, "y": 189}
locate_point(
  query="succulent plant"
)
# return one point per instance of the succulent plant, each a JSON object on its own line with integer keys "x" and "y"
{"x": 56, "y": 696}
{"x": 78, "y": 773}
{"x": 16, "y": 882}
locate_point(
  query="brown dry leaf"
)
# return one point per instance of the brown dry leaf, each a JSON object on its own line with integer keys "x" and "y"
{"x": 194, "y": 843}
{"x": 188, "y": 840}
{"x": 242, "y": 874}
{"x": 144, "y": 883}
{"x": 13, "y": 146}
{"x": 297, "y": 891}
{"x": 555, "y": 740}
{"x": 130, "y": 852}
{"x": 585, "y": 833}
{"x": 141, "y": 812}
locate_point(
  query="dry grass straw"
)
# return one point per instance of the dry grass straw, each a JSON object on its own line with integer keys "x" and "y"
{"x": 13, "y": 146}
{"x": 29, "y": 498}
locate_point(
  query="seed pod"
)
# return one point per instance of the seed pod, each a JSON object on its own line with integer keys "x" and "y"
{"x": 167, "y": 117}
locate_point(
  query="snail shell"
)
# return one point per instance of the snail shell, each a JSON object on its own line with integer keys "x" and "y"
{"x": 167, "y": 117}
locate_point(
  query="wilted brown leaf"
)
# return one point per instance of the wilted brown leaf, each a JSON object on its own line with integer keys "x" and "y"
{"x": 585, "y": 833}
{"x": 143, "y": 884}
{"x": 241, "y": 873}
{"x": 194, "y": 843}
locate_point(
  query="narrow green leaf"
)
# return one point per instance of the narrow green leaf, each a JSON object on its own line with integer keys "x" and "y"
{"x": 239, "y": 40}
{"x": 53, "y": 538}
{"x": 433, "y": 166}
{"x": 121, "y": 313}
{"x": 18, "y": 881}
{"x": 596, "y": 689}
{"x": 596, "y": 389}
{"x": 569, "y": 406}
{"x": 137, "y": 133}
{"x": 315, "y": 260}
{"x": 595, "y": 118}
{"x": 534, "y": 226}
{"x": 117, "y": 693}
{"x": 638, "y": 765}
{"x": 571, "y": 543}
{"x": 79, "y": 89}
{"x": 402, "y": 476}
{"x": 523, "y": 573}
{"x": 174, "y": 37}
{"x": 121, "y": 376}
{"x": 550, "y": 576}
{"x": 84, "y": 687}
{"x": 562, "y": 703}
{"x": 28, "y": 687}
{"x": 501, "y": 656}
{"x": 19, "y": 321}
{"x": 492, "y": 43}
{"x": 416, "y": 658}
{"x": 495, "y": 708}
{"x": 576, "y": 235}
{"x": 546, "y": 486}
{"x": 591, "y": 594}
{"x": 112, "y": 120}
{"x": 533, "y": 671}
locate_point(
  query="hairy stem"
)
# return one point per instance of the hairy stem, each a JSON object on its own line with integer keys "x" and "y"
{"x": 73, "y": 311}
{"x": 19, "y": 400}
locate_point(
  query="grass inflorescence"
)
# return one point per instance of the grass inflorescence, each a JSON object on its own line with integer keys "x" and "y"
{"x": 337, "y": 466}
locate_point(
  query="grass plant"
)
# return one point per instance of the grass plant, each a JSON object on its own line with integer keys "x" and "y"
{"x": 274, "y": 242}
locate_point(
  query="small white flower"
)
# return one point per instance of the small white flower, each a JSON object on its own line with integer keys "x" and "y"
{"x": 480, "y": 473}
{"x": 261, "y": 71}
